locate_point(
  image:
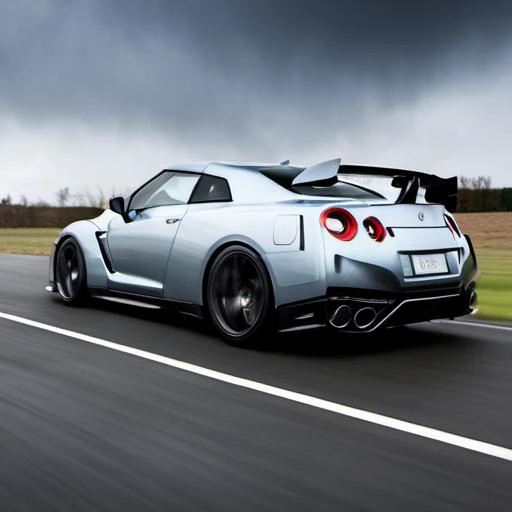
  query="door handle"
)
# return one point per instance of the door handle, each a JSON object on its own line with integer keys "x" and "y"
{"x": 172, "y": 221}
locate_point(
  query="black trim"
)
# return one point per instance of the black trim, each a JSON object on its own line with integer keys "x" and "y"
{"x": 420, "y": 227}
{"x": 411, "y": 292}
{"x": 391, "y": 308}
{"x": 471, "y": 249}
{"x": 313, "y": 311}
{"x": 301, "y": 232}
{"x": 188, "y": 308}
{"x": 437, "y": 190}
{"x": 105, "y": 251}
{"x": 409, "y": 192}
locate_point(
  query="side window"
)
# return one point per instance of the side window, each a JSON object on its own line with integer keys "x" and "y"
{"x": 210, "y": 189}
{"x": 166, "y": 189}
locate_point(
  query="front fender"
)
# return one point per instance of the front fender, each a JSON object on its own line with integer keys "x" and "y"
{"x": 84, "y": 232}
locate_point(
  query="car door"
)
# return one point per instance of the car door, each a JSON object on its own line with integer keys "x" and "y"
{"x": 140, "y": 246}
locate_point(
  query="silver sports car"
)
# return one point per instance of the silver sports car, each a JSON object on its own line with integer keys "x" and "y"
{"x": 256, "y": 247}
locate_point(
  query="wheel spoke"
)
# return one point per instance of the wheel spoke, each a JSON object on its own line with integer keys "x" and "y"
{"x": 68, "y": 272}
{"x": 69, "y": 284}
{"x": 235, "y": 274}
{"x": 238, "y": 293}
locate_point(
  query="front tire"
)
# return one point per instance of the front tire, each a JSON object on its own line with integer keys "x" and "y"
{"x": 239, "y": 296}
{"x": 70, "y": 272}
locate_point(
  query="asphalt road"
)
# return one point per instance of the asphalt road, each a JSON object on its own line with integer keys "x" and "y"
{"x": 83, "y": 427}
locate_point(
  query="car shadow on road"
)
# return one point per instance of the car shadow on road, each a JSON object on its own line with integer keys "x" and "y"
{"x": 326, "y": 342}
{"x": 311, "y": 343}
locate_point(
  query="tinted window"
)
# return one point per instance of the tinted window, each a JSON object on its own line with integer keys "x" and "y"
{"x": 339, "y": 189}
{"x": 166, "y": 189}
{"x": 211, "y": 188}
{"x": 284, "y": 176}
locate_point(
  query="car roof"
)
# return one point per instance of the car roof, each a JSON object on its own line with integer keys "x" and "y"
{"x": 201, "y": 166}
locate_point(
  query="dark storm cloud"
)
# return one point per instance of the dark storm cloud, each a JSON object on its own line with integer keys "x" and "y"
{"x": 99, "y": 92}
{"x": 236, "y": 66}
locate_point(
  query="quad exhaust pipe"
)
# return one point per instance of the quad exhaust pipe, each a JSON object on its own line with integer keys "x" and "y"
{"x": 341, "y": 317}
{"x": 362, "y": 318}
{"x": 365, "y": 317}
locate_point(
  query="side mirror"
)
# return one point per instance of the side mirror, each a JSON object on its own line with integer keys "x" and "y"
{"x": 116, "y": 204}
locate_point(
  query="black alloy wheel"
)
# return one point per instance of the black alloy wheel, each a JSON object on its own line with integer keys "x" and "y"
{"x": 238, "y": 296}
{"x": 70, "y": 277}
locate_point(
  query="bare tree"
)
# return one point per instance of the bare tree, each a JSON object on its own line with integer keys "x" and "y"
{"x": 478, "y": 183}
{"x": 63, "y": 196}
{"x": 101, "y": 198}
{"x": 79, "y": 199}
{"x": 7, "y": 200}
{"x": 97, "y": 200}
{"x": 464, "y": 182}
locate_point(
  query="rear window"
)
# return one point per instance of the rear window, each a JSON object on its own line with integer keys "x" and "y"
{"x": 339, "y": 189}
{"x": 346, "y": 188}
{"x": 211, "y": 189}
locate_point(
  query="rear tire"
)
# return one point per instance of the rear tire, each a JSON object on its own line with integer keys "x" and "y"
{"x": 70, "y": 272}
{"x": 239, "y": 296}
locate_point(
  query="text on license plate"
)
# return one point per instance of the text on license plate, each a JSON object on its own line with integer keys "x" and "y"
{"x": 429, "y": 264}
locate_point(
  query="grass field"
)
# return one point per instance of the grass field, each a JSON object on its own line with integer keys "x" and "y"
{"x": 27, "y": 240}
{"x": 489, "y": 232}
{"x": 493, "y": 245}
{"x": 495, "y": 284}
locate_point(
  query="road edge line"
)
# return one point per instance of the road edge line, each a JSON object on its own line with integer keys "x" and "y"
{"x": 319, "y": 403}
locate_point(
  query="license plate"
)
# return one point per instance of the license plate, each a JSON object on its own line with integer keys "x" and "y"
{"x": 429, "y": 264}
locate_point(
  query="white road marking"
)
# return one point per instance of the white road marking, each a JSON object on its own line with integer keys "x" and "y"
{"x": 360, "y": 414}
{"x": 476, "y": 324}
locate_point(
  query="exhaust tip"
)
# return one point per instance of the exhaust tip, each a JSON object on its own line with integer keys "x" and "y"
{"x": 473, "y": 303}
{"x": 365, "y": 317}
{"x": 341, "y": 317}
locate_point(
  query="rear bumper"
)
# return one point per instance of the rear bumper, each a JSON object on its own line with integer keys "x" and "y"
{"x": 352, "y": 310}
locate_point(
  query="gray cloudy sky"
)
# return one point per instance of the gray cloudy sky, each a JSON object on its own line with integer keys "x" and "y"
{"x": 108, "y": 92}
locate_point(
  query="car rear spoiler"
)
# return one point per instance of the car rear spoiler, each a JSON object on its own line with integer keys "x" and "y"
{"x": 437, "y": 190}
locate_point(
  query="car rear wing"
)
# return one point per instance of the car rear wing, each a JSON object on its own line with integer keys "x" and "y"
{"x": 437, "y": 190}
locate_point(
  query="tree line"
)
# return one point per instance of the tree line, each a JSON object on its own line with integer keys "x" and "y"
{"x": 65, "y": 197}
{"x": 478, "y": 195}
{"x": 475, "y": 195}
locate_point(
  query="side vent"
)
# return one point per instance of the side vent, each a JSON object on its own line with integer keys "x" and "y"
{"x": 105, "y": 251}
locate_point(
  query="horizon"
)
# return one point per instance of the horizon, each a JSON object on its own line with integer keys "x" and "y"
{"x": 105, "y": 94}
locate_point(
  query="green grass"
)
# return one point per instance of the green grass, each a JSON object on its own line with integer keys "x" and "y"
{"x": 494, "y": 287}
{"x": 27, "y": 240}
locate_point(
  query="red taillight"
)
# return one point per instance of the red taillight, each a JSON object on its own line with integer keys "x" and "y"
{"x": 340, "y": 223}
{"x": 452, "y": 225}
{"x": 375, "y": 229}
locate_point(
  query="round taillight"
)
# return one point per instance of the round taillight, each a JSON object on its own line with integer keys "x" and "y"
{"x": 375, "y": 229}
{"x": 340, "y": 223}
{"x": 452, "y": 225}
